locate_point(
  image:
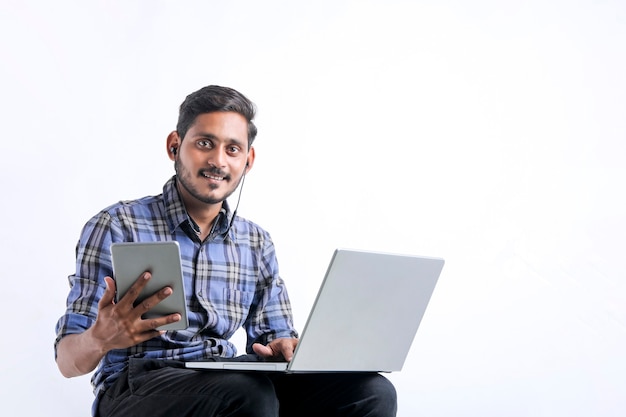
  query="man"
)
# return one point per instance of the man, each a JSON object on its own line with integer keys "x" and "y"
{"x": 231, "y": 271}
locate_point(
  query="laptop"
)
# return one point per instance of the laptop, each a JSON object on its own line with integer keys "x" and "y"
{"x": 364, "y": 319}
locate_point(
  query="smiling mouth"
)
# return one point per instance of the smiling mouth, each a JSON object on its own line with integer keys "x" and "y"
{"x": 214, "y": 176}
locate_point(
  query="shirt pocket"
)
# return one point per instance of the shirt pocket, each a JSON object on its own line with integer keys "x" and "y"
{"x": 234, "y": 310}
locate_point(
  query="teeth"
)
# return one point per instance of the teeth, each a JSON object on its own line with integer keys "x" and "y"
{"x": 213, "y": 177}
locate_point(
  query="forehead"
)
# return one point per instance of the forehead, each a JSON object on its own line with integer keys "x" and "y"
{"x": 227, "y": 126}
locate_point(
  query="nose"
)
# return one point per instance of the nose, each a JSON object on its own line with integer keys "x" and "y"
{"x": 218, "y": 157}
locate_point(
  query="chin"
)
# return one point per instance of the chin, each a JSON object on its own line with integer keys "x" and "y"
{"x": 215, "y": 199}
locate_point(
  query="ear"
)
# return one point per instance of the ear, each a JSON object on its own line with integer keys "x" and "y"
{"x": 173, "y": 142}
{"x": 250, "y": 159}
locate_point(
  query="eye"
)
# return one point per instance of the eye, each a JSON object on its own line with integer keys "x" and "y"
{"x": 204, "y": 143}
{"x": 233, "y": 149}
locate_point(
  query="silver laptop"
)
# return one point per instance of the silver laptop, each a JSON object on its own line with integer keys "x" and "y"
{"x": 364, "y": 318}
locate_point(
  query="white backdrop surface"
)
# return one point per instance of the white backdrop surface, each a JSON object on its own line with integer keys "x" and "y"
{"x": 489, "y": 133}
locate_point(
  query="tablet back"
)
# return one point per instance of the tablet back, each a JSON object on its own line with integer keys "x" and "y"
{"x": 162, "y": 259}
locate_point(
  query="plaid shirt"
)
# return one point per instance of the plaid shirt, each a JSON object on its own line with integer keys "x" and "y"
{"x": 231, "y": 280}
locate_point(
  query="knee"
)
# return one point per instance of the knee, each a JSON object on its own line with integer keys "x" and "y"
{"x": 380, "y": 396}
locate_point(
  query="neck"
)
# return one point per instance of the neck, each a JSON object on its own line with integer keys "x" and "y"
{"x": 203, "y": 214}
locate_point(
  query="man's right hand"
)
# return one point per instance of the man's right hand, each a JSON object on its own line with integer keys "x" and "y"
{"x": 118, "y": 326}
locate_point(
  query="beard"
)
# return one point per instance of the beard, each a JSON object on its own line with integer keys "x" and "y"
{"x": 186, "y": 180}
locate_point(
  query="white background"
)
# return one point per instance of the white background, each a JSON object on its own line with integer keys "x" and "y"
{"x": 489, "y": 133}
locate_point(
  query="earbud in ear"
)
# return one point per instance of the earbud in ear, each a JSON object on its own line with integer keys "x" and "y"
{"x": 173, "y": 150}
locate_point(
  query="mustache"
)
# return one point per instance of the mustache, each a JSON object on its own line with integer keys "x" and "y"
{"x": 214, "y": 171}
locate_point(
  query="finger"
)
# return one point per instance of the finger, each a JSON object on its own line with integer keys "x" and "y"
{"x": 262, "y": 350}
{"x": 154, "y": 323}
{"x": 109, "y": 293}
{"x": 143, "y": 337}
{"x": 286, "y": 349}
{"x": 133, "y": 292}
{"x": 149, "y": 302}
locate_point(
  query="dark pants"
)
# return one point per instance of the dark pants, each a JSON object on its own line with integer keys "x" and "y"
{"x": 157, "y": 388}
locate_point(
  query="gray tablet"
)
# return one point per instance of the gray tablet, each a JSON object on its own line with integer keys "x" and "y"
{"x": 162, "y": 259}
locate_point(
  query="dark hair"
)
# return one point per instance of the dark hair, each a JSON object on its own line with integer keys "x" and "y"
{"x": 211, "y": 99}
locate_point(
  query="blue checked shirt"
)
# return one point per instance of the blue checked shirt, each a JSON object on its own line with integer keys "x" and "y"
{"x": 231, "y": 280}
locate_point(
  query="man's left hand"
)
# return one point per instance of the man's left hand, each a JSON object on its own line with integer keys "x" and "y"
{"x": 276, "y": 350}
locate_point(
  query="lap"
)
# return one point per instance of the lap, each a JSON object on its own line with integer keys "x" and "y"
{"x": 155, "y": 388}
{"x": 335, "y": 394}
{"x": 159, "y": 388}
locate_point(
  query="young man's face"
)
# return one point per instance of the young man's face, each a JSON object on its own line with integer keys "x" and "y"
{"x": 211, "y": 159}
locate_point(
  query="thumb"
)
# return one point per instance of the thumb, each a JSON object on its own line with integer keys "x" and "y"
{"x": 262, "y": 351}
{"x": 109, "y": 293}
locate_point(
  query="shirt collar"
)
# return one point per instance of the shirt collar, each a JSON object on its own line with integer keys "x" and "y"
{"x": 177, "y": 215}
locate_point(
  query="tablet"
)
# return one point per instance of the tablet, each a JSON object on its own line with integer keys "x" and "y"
{"x": 162, "y": 259}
